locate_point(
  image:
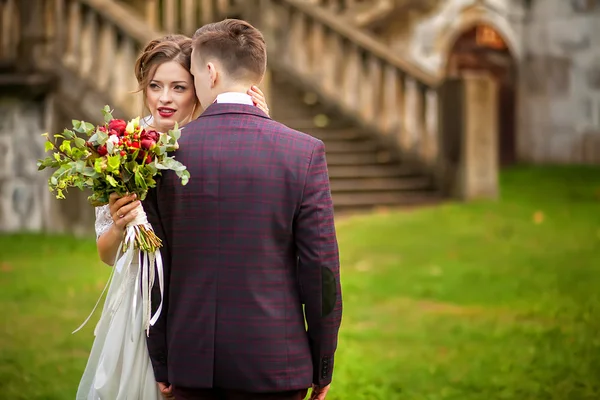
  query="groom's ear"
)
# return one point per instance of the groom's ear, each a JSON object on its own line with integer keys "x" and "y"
{"x": 213, "y": 74}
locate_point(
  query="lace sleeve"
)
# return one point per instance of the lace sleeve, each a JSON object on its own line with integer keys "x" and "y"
{"x": 103, "y": 220}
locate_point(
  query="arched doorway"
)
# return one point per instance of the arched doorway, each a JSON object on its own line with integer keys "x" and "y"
{"x": 482, "y": 48}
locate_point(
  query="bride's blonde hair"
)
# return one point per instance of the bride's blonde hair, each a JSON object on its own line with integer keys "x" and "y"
{"x": 176, "y": 48}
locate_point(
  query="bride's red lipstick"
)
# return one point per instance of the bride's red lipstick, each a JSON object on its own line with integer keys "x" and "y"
{"x": 165, "y": 112}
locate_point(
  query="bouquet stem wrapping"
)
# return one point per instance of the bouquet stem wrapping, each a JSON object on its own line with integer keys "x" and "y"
{"x": 139, "y": 239}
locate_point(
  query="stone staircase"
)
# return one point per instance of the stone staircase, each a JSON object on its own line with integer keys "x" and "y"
{"x": 392, "y": 130}
{"x": 364, "y": 172}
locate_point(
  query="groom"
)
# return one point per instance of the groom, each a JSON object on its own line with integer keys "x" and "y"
{"x": 249, "y": 244}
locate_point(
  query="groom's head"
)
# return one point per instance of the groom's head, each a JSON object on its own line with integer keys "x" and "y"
{"x": 227, "y": 56}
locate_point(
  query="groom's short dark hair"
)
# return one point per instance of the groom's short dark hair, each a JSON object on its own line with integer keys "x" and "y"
{"x": 239, "y": 46}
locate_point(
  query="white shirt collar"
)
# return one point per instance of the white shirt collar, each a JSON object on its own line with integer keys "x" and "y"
{"x": 235, "y": 98}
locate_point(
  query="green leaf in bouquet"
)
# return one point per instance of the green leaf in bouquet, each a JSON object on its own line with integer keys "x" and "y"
{"x": 93, "y": 138}
{"x": 89, "y": 128}
{"x": 175, "y": 133}
{"x": 152, "y": 170}
{"x": 76, "y": 124}
{"x": 107, "y": 113}
{"x": 100, "y": 164}
{"x": 48, "y": 146}
{"x": 110, "y": 147}
{"x": 184, "y": 175}
{"x": 91, "y": 172}
{"x": 111, "y": 180}
{"x": 126, "y": 176}
{"x": 53, "y": 180}
{"x": 77, "y": 153}
{"x": 65, "y": 147}
{"x": 172, "y": 164}
{"x": 140, "y": 182}
{"x": 113, "y": 162}
{"x": 79, "y": 142}
{"x": 79, "y": 166}
{"x": 67, "y": 134}
{"x": 102, "y": 137}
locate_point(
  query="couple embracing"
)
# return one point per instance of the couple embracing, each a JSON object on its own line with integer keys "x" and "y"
{"x": 252, "y": 298}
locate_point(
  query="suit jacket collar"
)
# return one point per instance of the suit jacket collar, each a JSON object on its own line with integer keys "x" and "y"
{"x": 232, "y": 108}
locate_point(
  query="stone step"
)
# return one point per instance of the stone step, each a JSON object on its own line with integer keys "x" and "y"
{"x": 369, "y": 171}
{"x": 366, "y": 158}
{"x": 332, "y": 147}
{"x": 326, "y": 134}
{"x": 356, "y": 200}
{"x": 303, "y": 124}
{"x": 380, "y": 184}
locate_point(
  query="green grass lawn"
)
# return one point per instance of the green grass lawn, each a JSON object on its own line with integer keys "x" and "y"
{"x": 488, "y": 300}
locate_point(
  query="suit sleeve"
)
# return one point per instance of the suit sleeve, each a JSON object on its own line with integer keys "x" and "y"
{"x": 319, "y": 266}
{"x": 157, "y": 339}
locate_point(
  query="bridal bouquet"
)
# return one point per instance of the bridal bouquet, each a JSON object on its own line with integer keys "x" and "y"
{"x": 117, "y": 157}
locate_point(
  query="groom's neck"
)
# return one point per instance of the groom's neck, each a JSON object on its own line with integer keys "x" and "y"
{"x": 236, "y": 88}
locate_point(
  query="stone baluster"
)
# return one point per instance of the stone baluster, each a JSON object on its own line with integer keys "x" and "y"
{"x": 87, "y": 51}
{"x": 351, "y": 77}
{"x": 189, "y": 17}
{"x": 317, "y": 44}
{"x": 9, "y": 34}
{"x": 408, "y": 132}
{"x": 73, "y": 36}
{"x": 372, "y": 84}
{"x": 207, "y": 11}
{"x": 107, "y": 47}
{"x": 169, "y": 23}
{"x": 431, "y": 127}
{"x": 391, "y": 99}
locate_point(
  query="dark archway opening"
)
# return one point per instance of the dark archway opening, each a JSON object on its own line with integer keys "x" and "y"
{"x": 481, "y": 48}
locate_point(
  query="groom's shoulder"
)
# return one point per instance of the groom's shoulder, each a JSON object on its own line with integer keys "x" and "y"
{"x": 291, "y": 133}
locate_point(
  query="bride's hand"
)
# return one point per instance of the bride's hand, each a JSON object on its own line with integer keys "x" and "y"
{"x": 122, "y": 210}
{"x": 259, "y": 99}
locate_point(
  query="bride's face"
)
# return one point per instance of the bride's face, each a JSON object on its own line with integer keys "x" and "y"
{"x": 170, "y": 96}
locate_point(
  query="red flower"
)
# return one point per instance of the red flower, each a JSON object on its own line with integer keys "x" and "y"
{"x": 147, "y": 144}
{"x": 135, "y": 145}
{"x": 118, "y": 125}
{"x": 102, "y": 129}
{"x": 102, "y": 150}
{"x": 151, "y": 134}
{"x": 148, "y": 159}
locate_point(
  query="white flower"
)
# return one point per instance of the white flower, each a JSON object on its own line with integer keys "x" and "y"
{"x": 114, "y": 139}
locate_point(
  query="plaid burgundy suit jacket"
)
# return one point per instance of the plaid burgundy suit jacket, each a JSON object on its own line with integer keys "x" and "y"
{"x": 247, "y": 243}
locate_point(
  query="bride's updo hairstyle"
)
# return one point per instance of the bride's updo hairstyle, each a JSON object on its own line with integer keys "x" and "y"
{"x": 176, "y": 48}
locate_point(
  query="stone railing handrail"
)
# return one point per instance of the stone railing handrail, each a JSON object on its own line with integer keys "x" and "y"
{"x": 124, "y": 18}
{"x": 364, "y": 40}
{"x": 355, "y": 72}
{"x": 98, "y": 41}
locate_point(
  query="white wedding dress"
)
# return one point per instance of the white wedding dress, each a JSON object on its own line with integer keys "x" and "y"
{"x": 119, "y": 366}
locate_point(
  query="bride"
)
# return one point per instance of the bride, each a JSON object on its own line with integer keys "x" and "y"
{"x": 119, "y": 366}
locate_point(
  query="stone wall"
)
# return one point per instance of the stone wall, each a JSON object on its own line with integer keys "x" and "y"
{"x": 25, "y": 201}
{"x": 560, "y": 82}
{"x": 556, "y": 44}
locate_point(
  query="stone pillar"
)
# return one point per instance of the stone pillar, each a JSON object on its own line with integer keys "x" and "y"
{"x": 468, "y": 165}
{"x": 32, "y": 41}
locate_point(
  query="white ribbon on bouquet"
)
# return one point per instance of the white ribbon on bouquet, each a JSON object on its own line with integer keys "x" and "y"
{"x": 145, "y": 272}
